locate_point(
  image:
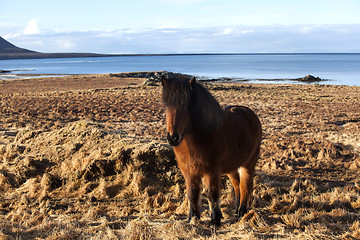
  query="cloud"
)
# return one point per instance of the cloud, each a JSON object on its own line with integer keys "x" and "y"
{"x": 16, "y": 31}
{"x": 229, "y": 39}
{"x": 31, "y": 28}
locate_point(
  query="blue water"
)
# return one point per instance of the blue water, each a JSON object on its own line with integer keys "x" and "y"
{"x": 342, "y": 69}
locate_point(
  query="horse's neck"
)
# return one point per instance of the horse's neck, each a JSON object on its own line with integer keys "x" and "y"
{"x": 202, "y": 139}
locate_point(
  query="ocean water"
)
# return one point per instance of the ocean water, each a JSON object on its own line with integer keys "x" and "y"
{"x": 339, "y": 69}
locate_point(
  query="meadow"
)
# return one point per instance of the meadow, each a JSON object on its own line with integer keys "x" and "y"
{"x": 86, "y": 157}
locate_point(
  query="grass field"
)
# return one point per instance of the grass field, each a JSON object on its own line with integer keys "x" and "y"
{"x": 92, "y": 162}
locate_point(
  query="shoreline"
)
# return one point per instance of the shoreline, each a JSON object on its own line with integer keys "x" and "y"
{"x": 41, "y": 55}
{"x": 336, "y": 70}
{"x": 309, "y": 79}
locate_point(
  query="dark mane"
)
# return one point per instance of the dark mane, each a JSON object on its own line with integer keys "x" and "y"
{"x": 206, "y": 113}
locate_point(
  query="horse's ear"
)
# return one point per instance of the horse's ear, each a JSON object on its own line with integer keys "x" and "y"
{"x": 163, "y": 81}
{"x": 192, "y": 82}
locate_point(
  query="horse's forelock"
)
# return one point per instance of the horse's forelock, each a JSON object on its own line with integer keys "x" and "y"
{"x": 176, "y": 93}
{"x": 205, "y": 111}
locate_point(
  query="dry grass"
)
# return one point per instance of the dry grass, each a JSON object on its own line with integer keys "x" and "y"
{"x": 95, "y": 165}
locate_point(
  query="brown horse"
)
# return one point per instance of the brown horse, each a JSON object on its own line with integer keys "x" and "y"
{"x": 209, "y": 141}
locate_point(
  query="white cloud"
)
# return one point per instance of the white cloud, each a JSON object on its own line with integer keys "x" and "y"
{"x": 227, "y": 30}
{"x": 31, "y": 28}
{"x": 15, "y": 31}
{"x": 64, "y": 45}
{"x": 235, "y": 39}
{"x": 11, "y": 35}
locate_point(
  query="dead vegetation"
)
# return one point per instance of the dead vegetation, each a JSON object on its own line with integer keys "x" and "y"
{"x": 95, "y": 164}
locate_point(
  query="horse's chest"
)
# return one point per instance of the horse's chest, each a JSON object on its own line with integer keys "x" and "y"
{"x": 192, "y": 160}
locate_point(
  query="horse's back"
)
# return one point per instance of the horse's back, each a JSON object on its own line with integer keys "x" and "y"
{"x": 244, "y": 126}
{"x": 244, "y": 116}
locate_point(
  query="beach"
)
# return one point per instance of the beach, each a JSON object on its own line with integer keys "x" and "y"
{"x": 85, "y": 156}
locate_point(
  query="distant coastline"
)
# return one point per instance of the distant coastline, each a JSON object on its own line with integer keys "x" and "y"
{"x": 38, "y": 55}
{"x": 10, "y": 56}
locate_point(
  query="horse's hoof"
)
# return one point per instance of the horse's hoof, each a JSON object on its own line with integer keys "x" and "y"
{"x": 216, "y": 222}
{"x": 242, "y": 211}
{"x": 216, "y": 216}
{"x": 193, "y": 217}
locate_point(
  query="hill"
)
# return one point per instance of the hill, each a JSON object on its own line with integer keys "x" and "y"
{"x": 10, "y": 51}
{"x": 9, "y": 48}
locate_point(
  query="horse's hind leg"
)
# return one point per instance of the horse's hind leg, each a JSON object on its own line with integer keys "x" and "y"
{"x": 246, "y": 185}
{"x": 213, "y": 190}
{"x": 247, "y": 173}
{"x": 235, "y": 181}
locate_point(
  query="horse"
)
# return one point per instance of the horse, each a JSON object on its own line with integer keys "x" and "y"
{"x": 209, "y": 141}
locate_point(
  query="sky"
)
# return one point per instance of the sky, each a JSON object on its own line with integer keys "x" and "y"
{"x": 182, "y": 26}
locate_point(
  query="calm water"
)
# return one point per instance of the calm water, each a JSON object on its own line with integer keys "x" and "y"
{"x": 341, "y": 69}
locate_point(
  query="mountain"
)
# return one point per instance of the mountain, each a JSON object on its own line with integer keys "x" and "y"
{"x": 9, "y": 48}
{"x": 10, "y": 51}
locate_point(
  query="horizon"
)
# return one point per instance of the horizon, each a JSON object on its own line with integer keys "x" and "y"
{"x": 183, "y": 27}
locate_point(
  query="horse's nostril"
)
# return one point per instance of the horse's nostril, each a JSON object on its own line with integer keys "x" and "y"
{"x": 176, "y": 137}
{"x": 173, "y": 139}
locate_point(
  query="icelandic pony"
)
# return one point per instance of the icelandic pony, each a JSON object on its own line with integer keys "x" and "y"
{"x": 209, "y": 141}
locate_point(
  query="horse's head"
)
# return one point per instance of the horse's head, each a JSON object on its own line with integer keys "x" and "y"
{"x": 176, "y": 98}
{"x": 177, "y": 121}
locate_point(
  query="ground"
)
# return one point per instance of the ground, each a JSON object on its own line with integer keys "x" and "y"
{"x": 86, "y": 157}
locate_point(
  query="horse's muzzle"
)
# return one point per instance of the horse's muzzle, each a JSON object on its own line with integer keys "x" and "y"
{"x": 174, "y": 139}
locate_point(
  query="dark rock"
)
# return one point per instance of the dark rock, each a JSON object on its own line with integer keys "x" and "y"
{"x": 309, "y": 79}
{"x": 152, "y": 77}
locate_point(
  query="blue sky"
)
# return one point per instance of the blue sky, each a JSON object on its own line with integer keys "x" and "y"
{"x": 182, "y": 26}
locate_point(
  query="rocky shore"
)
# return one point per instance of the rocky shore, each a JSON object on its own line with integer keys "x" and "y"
{"x": 85, "y": 156}
{"x": 153, "y": 77}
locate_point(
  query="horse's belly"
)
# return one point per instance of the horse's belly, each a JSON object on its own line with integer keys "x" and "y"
{"x": 237, "y": 152}
{"x": 233, "y": 162}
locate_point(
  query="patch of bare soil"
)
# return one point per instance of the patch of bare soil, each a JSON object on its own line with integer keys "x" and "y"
{"x": 67, "y": 83}
{"x": 81, "y": 164}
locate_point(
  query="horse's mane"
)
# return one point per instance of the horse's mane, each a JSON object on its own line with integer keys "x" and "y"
{"x": 184, "y": 92}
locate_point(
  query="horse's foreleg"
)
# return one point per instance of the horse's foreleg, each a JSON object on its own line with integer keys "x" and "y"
{"x": 246, "y": 186}
{"x": 235, "y": 181}
{"x": 213, "y": 190}
{"x": 193, "y": 186}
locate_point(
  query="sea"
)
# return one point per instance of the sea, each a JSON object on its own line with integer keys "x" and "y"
{"x": 335, "y": 69}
